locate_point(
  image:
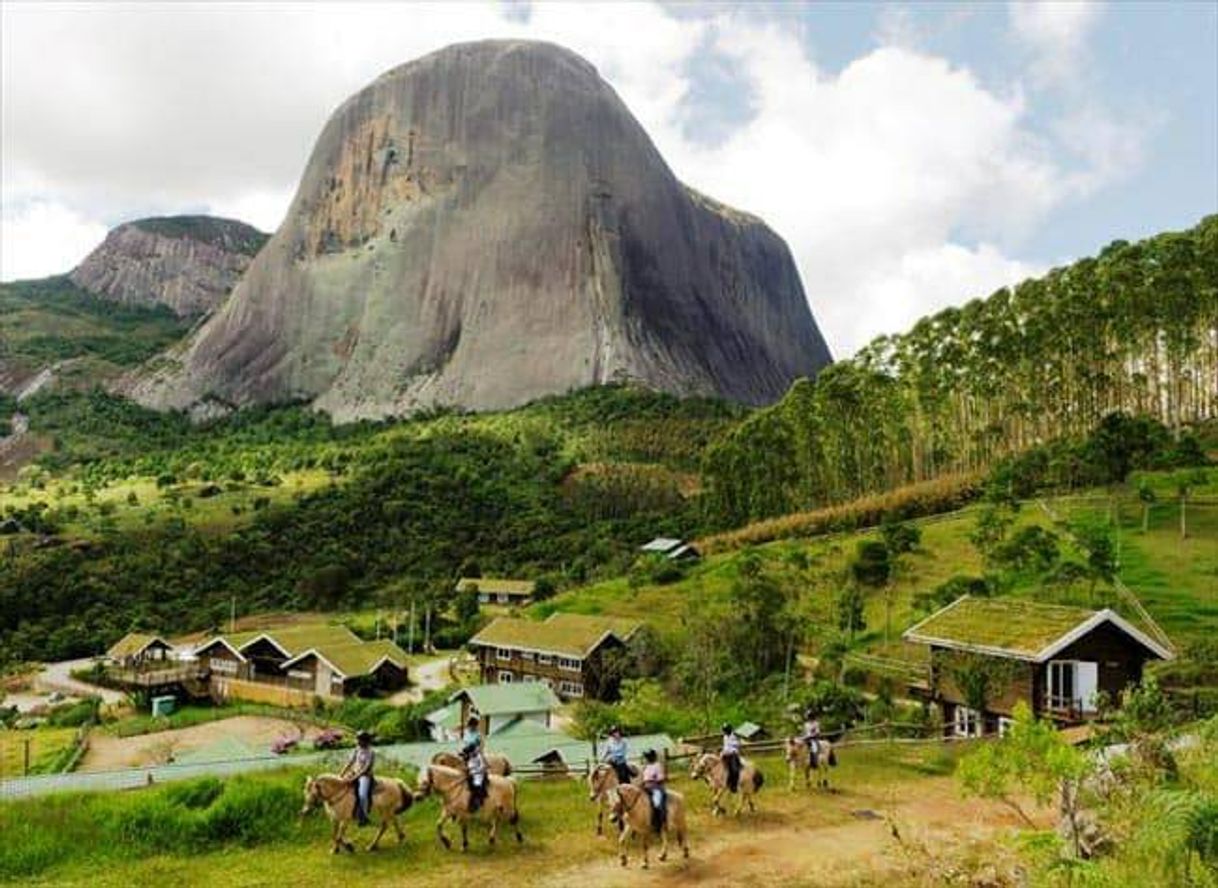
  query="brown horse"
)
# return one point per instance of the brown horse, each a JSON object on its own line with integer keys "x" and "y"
{"x": 713, "y": 769}
{"x": 495, "y": 763}
{"x": 389, "y": 799}
{"x": 799, "y": 756}
{"x": 601, "y": 780}
{"x": 631, "y": 809}
{"x": 453, "y": 788}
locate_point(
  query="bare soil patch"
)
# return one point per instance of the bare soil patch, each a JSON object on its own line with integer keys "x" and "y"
{"x": 254, "y": 732}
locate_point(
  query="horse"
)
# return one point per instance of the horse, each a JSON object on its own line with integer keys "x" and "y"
{"x": 713, "y": 769}
{"x": 631, "y": 810}
{"x": 495, "y": 763}
{"x": 799, "y": 755}
{"x": 602, "y": 778}
{"x": 390, "y": 797}
{"x": 453, "y": 786}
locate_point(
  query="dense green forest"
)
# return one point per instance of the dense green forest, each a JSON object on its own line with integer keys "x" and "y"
{"x": 1134, "y": 330}
{"x": 568, "y": 486}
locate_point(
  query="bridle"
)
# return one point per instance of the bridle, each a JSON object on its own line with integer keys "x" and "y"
{"x": 600, "y": 777}
{"x": 315, "y": 789}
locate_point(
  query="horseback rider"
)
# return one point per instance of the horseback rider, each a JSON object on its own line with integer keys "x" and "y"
{"x": 359, "y": 771}
{"x": 731, "y": 757}
{"x": 654, "y": 780}
{"x": 811, "y": 734}
{"x": 475, "y": 762}
{"x": 617, "y": 753}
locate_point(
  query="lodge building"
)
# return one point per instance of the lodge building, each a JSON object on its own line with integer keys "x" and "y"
{"x": 1057, "y": 659}
{"x": 567, "y": 652}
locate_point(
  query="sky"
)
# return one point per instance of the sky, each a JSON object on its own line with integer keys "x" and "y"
{"x": 913, "y": 156}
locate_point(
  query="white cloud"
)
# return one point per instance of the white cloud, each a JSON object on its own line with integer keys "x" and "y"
{"x": 41, "y": 236}
{"x": 900, "y": 182}
{"x": 1056, "y": 32}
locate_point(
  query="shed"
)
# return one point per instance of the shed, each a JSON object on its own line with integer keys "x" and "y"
{"x": 672, "y": 549}
{"x": 500, "y": 705}
{"x": 137, "y": 648}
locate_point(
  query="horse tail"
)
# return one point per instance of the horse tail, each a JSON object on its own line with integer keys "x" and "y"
{"x": 407, "y": 797}
{"x": 832, "y": 758}
{"x": 758, "y": 779}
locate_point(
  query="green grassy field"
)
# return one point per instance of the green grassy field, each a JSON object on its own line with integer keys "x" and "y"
{"x": 47, "y": 747}
{"x": 247, "y": 832}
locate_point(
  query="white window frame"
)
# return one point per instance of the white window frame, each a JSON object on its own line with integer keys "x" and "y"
{"x": 570, "y": 664}
{"x": 967, "y": 722}
{"x": 526, "y": 655}
{"x": 1004, "y": 725}
{"x": 1076, "y": 702}
{"x": 545, "y": 659}
{"x": 571, "y": 688}
{"x": 503, "y": 653}
{"x": 223, "y": 666}
{"x": 336, "y": 679}
{"x": 506, "y": 677}
{"x": 300, "y": 674}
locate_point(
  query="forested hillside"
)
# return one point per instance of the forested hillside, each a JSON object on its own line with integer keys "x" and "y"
{"x": 1133, "y": 330}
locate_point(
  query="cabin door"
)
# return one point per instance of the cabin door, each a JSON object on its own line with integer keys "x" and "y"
{"x": 1086, "y": 680}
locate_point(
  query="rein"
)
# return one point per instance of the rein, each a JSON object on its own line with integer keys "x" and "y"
{"x": 330, "y": 800}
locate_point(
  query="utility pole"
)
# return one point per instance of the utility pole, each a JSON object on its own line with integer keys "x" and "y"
{"x": 427, "y": 629}
{"x": 378, "y": 624}
{"x": 232, "y": 615}
{"x": 410, "y": 643}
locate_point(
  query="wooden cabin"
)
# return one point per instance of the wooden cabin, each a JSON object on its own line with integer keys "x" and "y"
{"x": 493, "y": 590}
{"x": 1057, "y": 659}
{"x": 566, "y": 652}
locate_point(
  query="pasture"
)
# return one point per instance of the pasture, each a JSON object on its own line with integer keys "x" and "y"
{"x": 48, "y": 746}
{"x": 246, "y": 832}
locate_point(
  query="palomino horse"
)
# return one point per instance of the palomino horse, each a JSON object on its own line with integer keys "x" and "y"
{"x": 713, "y": 769}
{"x": 389, "y": 799}
{"x": 799, "y": 756}
{"x": 495, "y": 763}
{"x": 601, "y": 779}
{"x": 454, "y": 790}
{"x": 632, "y": 812}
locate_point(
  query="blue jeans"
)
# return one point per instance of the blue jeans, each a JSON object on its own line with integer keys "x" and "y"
{"x": 363, "y": 791}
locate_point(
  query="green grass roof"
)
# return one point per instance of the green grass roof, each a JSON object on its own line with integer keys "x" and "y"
{"x": 507, "y": 699}
{"x": 295, "y": 640}
{"x": 496, "y": 586}
{"x": 342, "y": 648}
{"x": 1014, "y": 626}
{"x": 132, "y": 643}
{"x": 572, "y": 635}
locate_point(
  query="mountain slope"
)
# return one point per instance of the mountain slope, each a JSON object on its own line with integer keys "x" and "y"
{"x": 487, "y": 225}
{"x": 187, "y": 263}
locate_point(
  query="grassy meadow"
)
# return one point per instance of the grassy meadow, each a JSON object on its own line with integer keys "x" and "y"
{"x": 48, "y": 747}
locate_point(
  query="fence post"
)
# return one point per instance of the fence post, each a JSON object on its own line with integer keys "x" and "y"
{"x": 25, "y": 772}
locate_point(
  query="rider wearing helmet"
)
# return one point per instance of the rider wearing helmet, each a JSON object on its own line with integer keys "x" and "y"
{"x": 617, "y": 753}
{"x": 359, "y": 771}
{"x": 475, "y": 762}
{"x": 811, "y": 734}
{"x": 654, "y": 778}
{"x": 731, "y": 757}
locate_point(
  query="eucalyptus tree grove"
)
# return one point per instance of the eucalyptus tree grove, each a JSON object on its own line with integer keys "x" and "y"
{"x": 1133, "y": 330}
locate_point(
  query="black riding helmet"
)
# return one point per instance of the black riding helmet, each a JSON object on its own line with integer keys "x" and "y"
{"x": 363, "y": 738}
{"x": 472, "y": 721}
{"x": 614, "y": 729}
{"x": 649, "y": 755}
{"x": 727, "y": 729}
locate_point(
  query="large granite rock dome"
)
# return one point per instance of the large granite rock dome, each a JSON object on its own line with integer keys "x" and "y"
{"x": 487, "y": 225}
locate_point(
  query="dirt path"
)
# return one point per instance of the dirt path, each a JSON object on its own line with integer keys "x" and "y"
{"x": 230, "y": 738}
{"x": 430, "y": 675}
{"x": 58, "y": 677}
{"x": 773, "y": 847}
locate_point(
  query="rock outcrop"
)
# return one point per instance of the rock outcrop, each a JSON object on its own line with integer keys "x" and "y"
{"x": 487, "y": 225}
{"x": 188, "y": 263}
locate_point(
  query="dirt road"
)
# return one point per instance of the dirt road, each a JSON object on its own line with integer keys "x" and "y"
{"x": 58, "y": 677}
{"x": 942, "y": 836}
{"x": 430, "y": 675}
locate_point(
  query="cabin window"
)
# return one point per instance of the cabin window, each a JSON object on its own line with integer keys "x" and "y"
{"x": 966, "y": 722}
{"x": 301, "y": 674}
{"x": 336, "y": 680}
{"x": 544, "y": 659}
{"x": 526, "y": 655}
{"x": 504, "y": 653}
{"x": 569, "y": 664}
{"x": 505, "y": 677}
{"x": 224, "y": 667}
{"x": 1004, "y": 725}
{"x": 571, "y": 688}
{"x": 1072, "y": 685}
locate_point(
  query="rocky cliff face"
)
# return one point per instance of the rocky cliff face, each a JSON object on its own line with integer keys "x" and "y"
{"x": 188, "y": 263}
{"x": 487, "y": 225}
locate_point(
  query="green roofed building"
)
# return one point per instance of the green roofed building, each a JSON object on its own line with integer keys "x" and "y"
{"x": 987, "y": 654}
{"x": 137, "y": 649}
{"x": 306, "y": 661}
{"x": 492, "y": 590}
{"x": 498, "y": 706}
{"x": 566, "y": 652}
